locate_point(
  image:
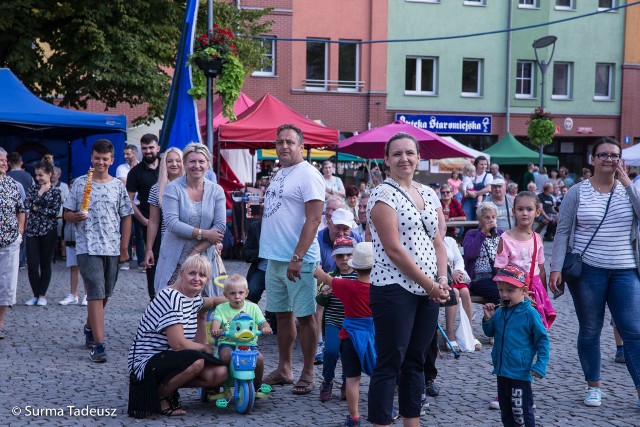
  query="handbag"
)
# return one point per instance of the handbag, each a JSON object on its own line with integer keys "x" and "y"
{"x": 572, "y": 265}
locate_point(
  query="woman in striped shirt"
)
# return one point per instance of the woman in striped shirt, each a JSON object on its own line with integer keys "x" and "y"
{"x": 163, "y": 356}
{"x": 610, "y": 262}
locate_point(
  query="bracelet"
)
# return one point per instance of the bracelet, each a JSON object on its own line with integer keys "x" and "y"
{"x": 433, "y": 286}
{"x": 443, "y": 277}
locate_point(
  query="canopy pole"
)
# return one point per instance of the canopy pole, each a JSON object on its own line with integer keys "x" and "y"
{"x": 210, "y": 89}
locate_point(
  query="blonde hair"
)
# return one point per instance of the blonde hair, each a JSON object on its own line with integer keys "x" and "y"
{"x": 468, "y": 169}
{"x": 196, "y": 147}
{"x": 197, "y": 262}
{"x": 163, "y": 173}
{"x": 236, "y": 280}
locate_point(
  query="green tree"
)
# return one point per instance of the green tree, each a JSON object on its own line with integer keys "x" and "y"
{"x": 109, "y": 51}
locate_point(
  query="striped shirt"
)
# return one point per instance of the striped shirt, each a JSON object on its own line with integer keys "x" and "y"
{"x": 168, "y": 308}
{"x": 611, "y": 247}
{"x": 334, "y": 311}
{"x": 154, "y": 200}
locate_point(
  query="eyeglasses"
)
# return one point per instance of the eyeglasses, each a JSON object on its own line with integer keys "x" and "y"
{"x": 604, "y": 156}
{"x": 445, "y": 192}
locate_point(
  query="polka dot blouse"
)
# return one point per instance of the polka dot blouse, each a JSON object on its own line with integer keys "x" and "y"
{"x": 417, "y": 243}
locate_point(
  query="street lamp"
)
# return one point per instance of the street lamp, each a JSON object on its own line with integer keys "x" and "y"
{"x": 544, "y": 65}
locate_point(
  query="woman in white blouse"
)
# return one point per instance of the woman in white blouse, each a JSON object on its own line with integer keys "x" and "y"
{"x": 408, "y": 280}
{"x": 333, "y": 185}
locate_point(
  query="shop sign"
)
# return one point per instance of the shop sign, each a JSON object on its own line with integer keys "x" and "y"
{"x": 585, "y": 130}
{"x": 448, "y": 124}
{"x": 568, "y": 123}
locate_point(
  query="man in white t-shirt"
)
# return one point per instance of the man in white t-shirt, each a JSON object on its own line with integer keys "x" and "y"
{"x": 291, "y": 216}
{"x": 504, "y": 203}
{"x": 130, "y": 160}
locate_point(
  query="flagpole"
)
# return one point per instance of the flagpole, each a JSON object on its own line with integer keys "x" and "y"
{"x": 210, "y": 87}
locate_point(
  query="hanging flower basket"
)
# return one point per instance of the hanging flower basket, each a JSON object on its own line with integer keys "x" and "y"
{"x": 541, "y": 128}
{"x": 215, "y": 54}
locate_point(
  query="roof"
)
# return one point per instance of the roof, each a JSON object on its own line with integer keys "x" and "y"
{"x": 509, "y": 151}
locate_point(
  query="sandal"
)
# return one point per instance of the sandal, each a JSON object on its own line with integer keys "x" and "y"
{"x": 455, "y": 345}
{"x": 478, "y": 344}
{"x": 303, "y": 387}
{"x": 174, "y": 405}
{"x": 326, "y": 391}
{"x": 275, "y": 379}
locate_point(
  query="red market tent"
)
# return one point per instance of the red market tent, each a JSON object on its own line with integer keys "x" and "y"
{"x": 370, "y": 144}
{"x": 257, "y": 126}
{"x": 241, "y": 105}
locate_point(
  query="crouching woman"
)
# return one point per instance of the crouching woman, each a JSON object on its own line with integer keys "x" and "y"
{"x": 163, "y": 357}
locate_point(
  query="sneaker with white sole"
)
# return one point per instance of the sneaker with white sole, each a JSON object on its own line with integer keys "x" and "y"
{"x": 124, "y": 266}
{"x": 32, "y": 301}
{"x": 41, "y": 302}
{"x": 71, "y": 299}
{"x": 84, "y": 300}
{"x": 98, "y": 353}
{"x": 494, "y": 404}
{"x": 593, "y": 397}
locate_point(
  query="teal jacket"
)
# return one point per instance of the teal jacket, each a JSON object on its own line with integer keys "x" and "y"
{"x": 518, "y": 336}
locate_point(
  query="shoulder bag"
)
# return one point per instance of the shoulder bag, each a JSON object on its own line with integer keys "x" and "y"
{"x": 572, "y": 265}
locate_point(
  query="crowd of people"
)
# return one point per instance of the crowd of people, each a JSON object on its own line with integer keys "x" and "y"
{"x": 357, "y": 274}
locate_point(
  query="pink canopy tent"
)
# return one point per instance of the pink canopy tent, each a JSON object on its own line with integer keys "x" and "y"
{"x": 370, "y": 144}
{"x": 257, "y": 126}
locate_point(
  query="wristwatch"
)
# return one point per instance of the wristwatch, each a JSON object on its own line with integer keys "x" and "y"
{"x": 296, "y": 258}
{"x": 199, "y": 236}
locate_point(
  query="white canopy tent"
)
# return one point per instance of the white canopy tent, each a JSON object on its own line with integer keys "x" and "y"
{"x": 631, "y": 155}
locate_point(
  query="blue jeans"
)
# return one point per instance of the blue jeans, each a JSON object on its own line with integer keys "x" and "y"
{"x": 256, "y": 285}
{"x": 620, "y": 290}
{"x": 469, "y": 208}
{"x": 331, "y": 352}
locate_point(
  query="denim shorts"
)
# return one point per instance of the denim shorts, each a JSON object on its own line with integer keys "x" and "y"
{"x": 284, "y": 295}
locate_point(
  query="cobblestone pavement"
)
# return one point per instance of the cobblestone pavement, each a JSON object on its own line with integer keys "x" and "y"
{"x": 44, "y": 370}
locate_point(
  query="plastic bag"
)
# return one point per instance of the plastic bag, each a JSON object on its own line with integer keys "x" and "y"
{"x": 464, "y": 333}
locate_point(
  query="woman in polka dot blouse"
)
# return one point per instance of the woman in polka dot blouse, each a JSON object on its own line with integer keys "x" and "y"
{"x": 408, "y": 280}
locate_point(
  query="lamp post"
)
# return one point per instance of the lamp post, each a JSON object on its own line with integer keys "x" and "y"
{"x": 544, "y": 65}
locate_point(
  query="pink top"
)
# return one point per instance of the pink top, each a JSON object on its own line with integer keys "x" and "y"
{"x": 455, "y": 185}
{"x": 520, "y": 253}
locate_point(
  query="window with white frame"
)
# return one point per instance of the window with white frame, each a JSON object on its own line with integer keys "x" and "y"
{"x": 317, "y": 65}
{"x": 604, "y": 82}
{"x": 422, "y": 1}
{"x": 606, "y": 4}
{"x": 348, "y": 66}
{"x": 270, "y": 54}
{"x": 565, "y": 5}
{"x": 527, "y": 4}
{"x": 420, "y": 76}
{"x": 475, "y": 2}
{"x": 561, "y": 80}
{"x": 524, "y": 79}
{"x": 472, "y": 77}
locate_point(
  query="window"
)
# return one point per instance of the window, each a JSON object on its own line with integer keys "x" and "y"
{"x": 316, "y": 65}
{"x": 471, "y": 77}
{"x": 606, "y": 4}
{"x": 423, "y": 1}
{"x": 420, "y": 76}
{"x": 524, "y": 79}
{"x": 565, "y": 5}
{"x": 475, "y": 2}
{"x": 348, "y": 66}
{"x": 528, "y": 4}
{"x": 561, "y": 80}
{"x": 270, "y": 54}
{"x": 604, "y": 82}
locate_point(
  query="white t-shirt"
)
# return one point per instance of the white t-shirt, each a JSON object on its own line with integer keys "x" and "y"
{"x": 283, "y": 213}
{"x": 419, "y": 246}
{"x": 122, "y": 171}
{"x": 488, "y": 180}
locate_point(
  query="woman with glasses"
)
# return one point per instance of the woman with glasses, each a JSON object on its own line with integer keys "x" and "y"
{"x": 601, "y": 215}
{"x": 451, "y": 208}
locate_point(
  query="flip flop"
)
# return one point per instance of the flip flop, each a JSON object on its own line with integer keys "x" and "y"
{"x": 274, "y": 379}
{"x": 304, "y": 386}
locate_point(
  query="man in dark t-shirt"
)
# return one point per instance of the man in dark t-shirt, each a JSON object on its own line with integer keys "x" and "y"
{"x": 549, "y": 215}
{"x": 140, "y": 180}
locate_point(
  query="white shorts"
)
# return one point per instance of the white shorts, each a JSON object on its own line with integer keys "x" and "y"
{"x": 9, "y": 263}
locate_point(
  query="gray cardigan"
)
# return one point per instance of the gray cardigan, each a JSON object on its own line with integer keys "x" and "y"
{"x": 563, "y": 241}
{"x": 175, "y": 211}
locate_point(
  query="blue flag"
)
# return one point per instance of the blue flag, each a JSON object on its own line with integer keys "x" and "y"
{"x": 180, "y": 125}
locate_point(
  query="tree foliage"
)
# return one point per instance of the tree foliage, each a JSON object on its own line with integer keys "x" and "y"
{"x": 110, "y": 51}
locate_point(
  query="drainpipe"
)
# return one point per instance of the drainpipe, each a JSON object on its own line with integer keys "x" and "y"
{"x": 508, "y": 79}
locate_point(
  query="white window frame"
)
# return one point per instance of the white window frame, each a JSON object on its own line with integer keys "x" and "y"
{"x": 357, "y": 71}
{"x": 272, "y": 55}
{"x": 572, "y": 5}
{"x": 569, "y": 80}
{"x": 528, "y": 4}
{"x": 530, "y": 95}
{"x": 319, "y": 87}
{"x": 613, "y": 3}
{"x": 609, "y": 95}
{"x": 480, "y": 76}
{"x": 419, "y": 91}
{"x": 475, "y": 3}
{"x": 423, "y": 1}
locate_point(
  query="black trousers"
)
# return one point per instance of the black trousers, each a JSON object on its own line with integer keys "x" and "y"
{"x": 39, "y": 253}
{"x": 516, "y": 402}
{"x": 151, "y": 272}
{"x": 430, "y": 370}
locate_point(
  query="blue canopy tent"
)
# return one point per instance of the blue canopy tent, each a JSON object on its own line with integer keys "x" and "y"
{"x": 34, "y": 127}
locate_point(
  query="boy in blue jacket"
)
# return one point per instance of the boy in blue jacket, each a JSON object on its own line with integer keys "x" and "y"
{"x": 519, "y": 335}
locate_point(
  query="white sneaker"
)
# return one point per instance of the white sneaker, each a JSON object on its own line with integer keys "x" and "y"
{"x": 41, "y": 302}
{"x": 494, "y": 404}
{"x": 84, "y": 300}
{"x": 124, "y": 266}
{"x": 71, "y": 299}
{"x": 593, "y": 397}
{"x": 32, "y": 301}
